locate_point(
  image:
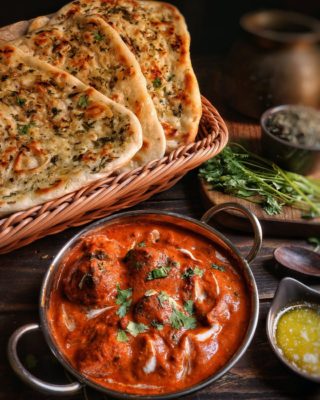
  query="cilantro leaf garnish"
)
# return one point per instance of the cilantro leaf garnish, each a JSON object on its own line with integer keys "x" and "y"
{"x": 177, "y": 318}
{"x": 158, "y": 273}
{"x": 24, "y": 129}
{"x": 217, "y": 267}
{"x": 180, "y": 320}
{"x": 163, "y": 297}
{"x": 188, "y": 306}
{"x": 83, "y": 101}
{"x": 157, "y": 325}
{"x": 122, "y": 336}
{"x": 157, "y": 83}
{"x": 97, "y": 36}
{"x": 188, "y": 273}
{"x": 315, "y": 241}
{"x": 123, "y": 300}
{"x": 141, "y": 244}
{"x": 135, "y": 328}
{"x": 20, "y": 101}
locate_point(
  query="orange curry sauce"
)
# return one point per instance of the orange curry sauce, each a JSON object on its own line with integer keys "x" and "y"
{"x": 148, "y": 308}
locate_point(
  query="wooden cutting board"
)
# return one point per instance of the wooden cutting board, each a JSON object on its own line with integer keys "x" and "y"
{"x": 289, "y": 223}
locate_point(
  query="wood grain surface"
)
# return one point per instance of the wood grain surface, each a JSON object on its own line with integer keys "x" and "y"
{"x": 259, "y": 374}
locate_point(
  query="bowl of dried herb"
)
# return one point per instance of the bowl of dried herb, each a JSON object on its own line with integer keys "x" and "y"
{"x": 291, "y": 137}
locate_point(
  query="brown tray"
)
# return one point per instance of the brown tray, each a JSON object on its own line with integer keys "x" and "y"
{"x": 115, "y": 192}
{"x": 287, "y": 224}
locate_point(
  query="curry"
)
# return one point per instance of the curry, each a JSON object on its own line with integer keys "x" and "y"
{"x": 148, "y": 308}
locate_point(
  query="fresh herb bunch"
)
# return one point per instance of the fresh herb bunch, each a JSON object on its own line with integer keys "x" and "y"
{"x": 238, "y": 172}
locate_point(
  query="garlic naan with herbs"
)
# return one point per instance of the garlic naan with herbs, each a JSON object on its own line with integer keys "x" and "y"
{"x": 92, "y": 51}
{"x": 56, "y": 133}
{"x": 156, "y": 33}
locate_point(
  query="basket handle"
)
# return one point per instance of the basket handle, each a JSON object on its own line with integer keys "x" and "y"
{"x": 251, "y": 216}
{"x": 26, "y": 376}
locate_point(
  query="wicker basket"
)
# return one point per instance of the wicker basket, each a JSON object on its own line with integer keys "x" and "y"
{"x": 115, "y": 192}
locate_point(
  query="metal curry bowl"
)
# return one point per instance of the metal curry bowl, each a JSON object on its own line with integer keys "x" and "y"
{"x": 199, "y": 227}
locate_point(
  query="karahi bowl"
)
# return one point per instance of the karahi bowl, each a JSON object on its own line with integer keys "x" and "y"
{"x": 177, "y": 220}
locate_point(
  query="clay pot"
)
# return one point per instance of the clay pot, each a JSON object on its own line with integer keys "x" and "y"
{"x": 276, "y": 61}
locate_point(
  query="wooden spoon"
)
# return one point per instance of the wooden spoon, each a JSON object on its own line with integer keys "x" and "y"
{"x": 298, "y": 259}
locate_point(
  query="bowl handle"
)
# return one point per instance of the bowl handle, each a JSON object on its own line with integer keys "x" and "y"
{"x": 26, "y": 376}
{"x": 252, "y": 217}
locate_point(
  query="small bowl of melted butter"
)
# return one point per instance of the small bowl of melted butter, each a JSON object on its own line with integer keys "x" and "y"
{"x": 293, "y": 328}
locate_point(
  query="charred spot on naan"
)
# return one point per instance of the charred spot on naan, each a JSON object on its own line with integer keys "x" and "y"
{"x": 30, "y": 159}
{"x": 60, "y": 183}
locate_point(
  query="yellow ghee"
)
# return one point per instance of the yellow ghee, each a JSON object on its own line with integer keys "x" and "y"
{"x": 298, "y": 337}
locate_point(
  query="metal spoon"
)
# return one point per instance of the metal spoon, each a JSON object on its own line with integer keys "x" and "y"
{"x": 298, "y": 259}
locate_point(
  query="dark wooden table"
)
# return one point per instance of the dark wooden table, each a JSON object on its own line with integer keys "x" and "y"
{"x": 259, "y": 374}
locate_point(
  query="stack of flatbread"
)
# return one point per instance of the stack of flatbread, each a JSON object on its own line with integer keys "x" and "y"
{"x": 101, "y": 86}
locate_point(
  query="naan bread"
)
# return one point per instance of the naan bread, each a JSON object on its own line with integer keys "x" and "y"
{"x": 157, "y": 35}
{"x": 56, "y": 133}
{"x": 88, "y": 48}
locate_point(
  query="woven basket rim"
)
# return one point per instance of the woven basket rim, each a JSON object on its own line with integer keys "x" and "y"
{"x": 82, "y": 206}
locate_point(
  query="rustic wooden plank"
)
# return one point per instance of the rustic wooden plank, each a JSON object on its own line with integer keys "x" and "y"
{"x": 288, "y": 222}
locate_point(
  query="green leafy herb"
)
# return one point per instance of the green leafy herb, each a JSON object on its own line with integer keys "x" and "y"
{"x": 157, "y": 83}
{"x": 180, "y": 320}
{"x": 188, "y": 306}
{"x": 83, "y": 101}
{"x": 188, "y": 273}
{"x": 141, "y": 244}
{"x": 177, "y": 318}
{"x": 24, "y": 129}
{"x": 240, "y": 173}
{"x": 123, "y": 300}
{"x": 217, "y": 267}
{"x": 20, "y": 101}
{"x": 122, "y": 336}
{"x": 97, "y": 36}
{"x": 158, "y": 273}
{"x": 157, "y": 325}
{"x": 316, "y": 242}
{"x": 163, "y": 297}
{"x": 135, "y": 328}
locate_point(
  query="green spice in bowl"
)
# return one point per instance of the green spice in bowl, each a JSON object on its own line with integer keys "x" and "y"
{"x": 291, "y": 137}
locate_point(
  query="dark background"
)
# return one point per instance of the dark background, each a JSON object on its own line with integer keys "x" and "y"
{"x": 213, "y": 23}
